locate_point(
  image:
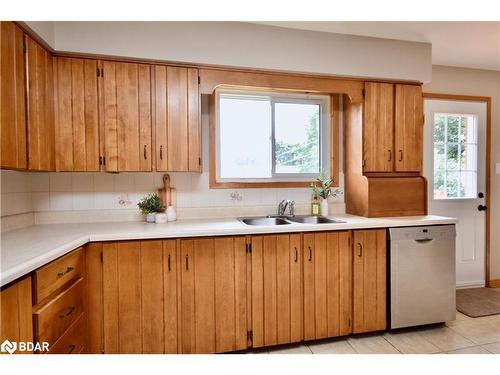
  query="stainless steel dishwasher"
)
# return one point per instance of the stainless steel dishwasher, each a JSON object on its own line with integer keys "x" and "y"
{"x": 422, "y": 275}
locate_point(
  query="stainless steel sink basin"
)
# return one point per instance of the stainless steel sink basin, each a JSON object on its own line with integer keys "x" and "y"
{"x": 264, "y": 221}
{"x": 312, "y": 220}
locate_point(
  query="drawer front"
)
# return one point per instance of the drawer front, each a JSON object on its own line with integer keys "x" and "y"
{"x": 57, "y": 273}
{"x": 73, "y": 340}
{"x": 53, "y": 318}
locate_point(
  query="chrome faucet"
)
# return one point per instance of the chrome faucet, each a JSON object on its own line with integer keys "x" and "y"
{"x": 284, "y": 205}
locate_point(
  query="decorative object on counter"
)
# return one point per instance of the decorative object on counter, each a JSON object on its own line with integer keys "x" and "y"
{"x": 168, "y": 194}
{"x": 150, "y": 205}
{"x": 315, "y": 205}
{"x": 161, "y": 218}
{"x": 322, "y": 188}
{"x": 171, "y": 213}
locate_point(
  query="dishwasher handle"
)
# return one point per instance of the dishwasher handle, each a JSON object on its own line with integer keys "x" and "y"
{"x": 424, "y": 240}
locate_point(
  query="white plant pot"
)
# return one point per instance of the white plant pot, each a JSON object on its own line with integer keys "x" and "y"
{"x": 324, "y": 207}
{"x": 150, "y": 218}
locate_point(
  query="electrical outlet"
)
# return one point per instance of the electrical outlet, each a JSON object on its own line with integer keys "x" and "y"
{"x": 123, "y": 200}
{"x": 236, "y": 196}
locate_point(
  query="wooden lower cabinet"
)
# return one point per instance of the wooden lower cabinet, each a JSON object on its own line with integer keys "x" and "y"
{"x": 213, "y": 274}
{"x": 327, "y": 285}
{"x": 369, "y": 281}
{"x": 276, "y": 289}
{"x": 15, "y": 317}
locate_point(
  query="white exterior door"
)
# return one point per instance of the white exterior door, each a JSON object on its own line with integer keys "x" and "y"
{"x": 455, "y": 165}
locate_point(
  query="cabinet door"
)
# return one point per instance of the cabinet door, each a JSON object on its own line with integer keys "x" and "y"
{"x": 276, "y": 290}
{"x": 15, "y": 312}
{"x": 378, "y": 127}
{"x": 133, "y": 294}
{"x": 213, "y": 295}
{"x": 127, "y": 116}
{"x": 76, "y": 125}
{"x": 12, "y": 104}
{"x": 177, "y": 119}
{"x": 327, "y": 285}
{"x": 40, "y": 78}
{"x": 369, "y": 280}
{"x": 409, "y": 128}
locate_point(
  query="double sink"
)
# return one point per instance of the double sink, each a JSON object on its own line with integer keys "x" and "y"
{"x": 286, "y": 220}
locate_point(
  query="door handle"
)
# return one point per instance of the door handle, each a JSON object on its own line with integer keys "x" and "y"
{"x": 169, "y": 268}
{"x": 68, "y": 313}
{"x": 161, "y": 152}
{"x": 69, "y": 269}
{"x": 296, "y": 255}
{"x": 424, "y": 240}
{"x": 400, "y": 155}
{"x": 482, "y": 207}
{"x": 187, "y": 262}
{"x": 390, "y": 155}
{"x": 145, "y": 152}
{"x": 310, "y": 254}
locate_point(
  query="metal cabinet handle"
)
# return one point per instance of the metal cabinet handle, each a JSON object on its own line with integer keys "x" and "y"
{"x": 296, "y": 256}
{"x": 71, "y": 348}
{"x": 169, "y": 268}
{"x": 360, "y": 249}
{"x": 310, "y": 254}
{"x": 187, "y": 262}
{"x": 70, "y": 311}
{"x": 145, "y": 152}
{"x": 390, "y": 155}
{"x": 161, "y": 152}
{"x": 400, "y": 155}
{"x": 69, "y": 269}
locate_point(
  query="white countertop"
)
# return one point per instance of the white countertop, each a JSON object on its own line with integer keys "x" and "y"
{"x": 27, "y": 249}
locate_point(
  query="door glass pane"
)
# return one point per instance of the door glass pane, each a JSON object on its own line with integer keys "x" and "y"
{"x": 297, "y": 137}
{"x": 245, "y": 136}
{"x": 455, "y": 156}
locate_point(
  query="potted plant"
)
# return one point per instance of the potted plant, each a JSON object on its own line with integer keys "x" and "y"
{"x": 150, "y": 205}
{"x": 322, "y": 188}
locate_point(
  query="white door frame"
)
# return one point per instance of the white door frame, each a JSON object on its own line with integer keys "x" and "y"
{"x": 487, "y": 100}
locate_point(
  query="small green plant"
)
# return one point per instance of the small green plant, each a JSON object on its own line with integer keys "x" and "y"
{"x": 151, "y": 203}
{"x": 322, "y": 186}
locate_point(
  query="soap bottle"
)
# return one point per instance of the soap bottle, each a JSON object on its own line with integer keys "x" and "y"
{"x": 315, "y": 205}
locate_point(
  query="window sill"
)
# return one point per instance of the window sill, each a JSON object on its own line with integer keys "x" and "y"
{"x": 257, "y": 185}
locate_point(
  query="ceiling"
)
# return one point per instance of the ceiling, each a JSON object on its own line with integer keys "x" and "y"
{"x": 463, "y": 44}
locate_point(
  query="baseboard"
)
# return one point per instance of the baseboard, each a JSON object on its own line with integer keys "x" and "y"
{"x": 494, "y": 283}
{"x": 470, "y": 284}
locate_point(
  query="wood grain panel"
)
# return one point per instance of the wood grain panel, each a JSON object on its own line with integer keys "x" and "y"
{"x": 270, "y": 290}
{"x": 378, "y": 127}
{"x": 15, "y": 312}
{"x": 94, "y": 300}
{"x": 110, "y": 296}
{"x": 170, "y": 265}
{"x": 332, "y": 281}
{"x": 152, "y": 297}
{"x": 110, "y": 116}
{"x": 283, "y": 288}
{"x": 345, "y": 283}
{"x": 160, "y": 112}
{"x": 187, "y": 297}
{"x": 309, "y": 287}
{"x": 240, "y": 293}
{"x": 320, "y": 285}
{"x": 194, "y": 121}
{"x": 409, "y": 124}
{"x": 296, "y": 305}
{"x": 12, "y": 103}
{"x": 177, "y": 119}
{"x": 204, "y": 282}
{"x": 145, "y": 122}
{"x": 73, "y": 340}
{"x": 257, "y": 291}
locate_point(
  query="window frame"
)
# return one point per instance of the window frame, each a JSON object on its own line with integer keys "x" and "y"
{"x": 445, "y": 143}
{"x": 326, "y": 129}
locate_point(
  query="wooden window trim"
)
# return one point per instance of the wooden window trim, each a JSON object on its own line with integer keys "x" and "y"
{"x": 334, "y": 153}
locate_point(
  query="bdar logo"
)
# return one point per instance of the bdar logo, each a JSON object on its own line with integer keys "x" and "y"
{"x": 9, "y": 347}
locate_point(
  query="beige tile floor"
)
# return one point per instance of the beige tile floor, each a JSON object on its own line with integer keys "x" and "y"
{"x": 462, "y": 336}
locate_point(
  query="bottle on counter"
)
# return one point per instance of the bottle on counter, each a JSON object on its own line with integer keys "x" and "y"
{"x": 315, "y": 205}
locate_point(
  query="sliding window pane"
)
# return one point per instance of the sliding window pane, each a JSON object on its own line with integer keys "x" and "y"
{"x": 245, "y": 136}
{"x": 297, "y": 138}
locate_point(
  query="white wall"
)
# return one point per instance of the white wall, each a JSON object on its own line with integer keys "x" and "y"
{"x": 250, "y": 45}
{"x": 44, "y": 29}
{"x": 449, "y": 80}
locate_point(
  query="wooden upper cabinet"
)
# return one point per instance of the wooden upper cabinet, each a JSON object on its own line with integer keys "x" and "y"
{"x": 277, "y": 304}
{"x": 126, "y": 107}
{"x": 40, "y": 87}
{"x": 369, "y": 281}
{"x": 409, "y": 124}
{"x": 77, "y": 125}
{"x": 378, "y": 128}
{"x": 327, "y": 285}
{"x": 177, "y": 119}
{"x": 213, "y": 294}
{"x": 12, "y": 99}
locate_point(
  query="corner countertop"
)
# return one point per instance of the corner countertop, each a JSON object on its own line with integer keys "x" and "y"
{"x": 27, "y": 249}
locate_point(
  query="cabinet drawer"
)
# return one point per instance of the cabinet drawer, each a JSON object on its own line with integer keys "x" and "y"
{"x": 73, "y": 340}
{"x": 57, "y": 273}
{"x": 53, "y": 318}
